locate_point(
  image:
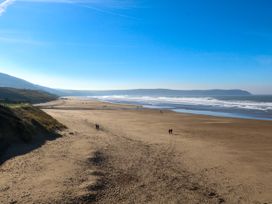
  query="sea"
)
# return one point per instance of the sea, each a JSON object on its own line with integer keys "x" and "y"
{"x": 248, "y": 107}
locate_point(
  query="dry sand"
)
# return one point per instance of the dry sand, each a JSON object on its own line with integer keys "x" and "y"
{"x": 133, "y": 159}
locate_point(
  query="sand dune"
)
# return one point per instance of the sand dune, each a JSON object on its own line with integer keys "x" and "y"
{"x": 133, "y": 159}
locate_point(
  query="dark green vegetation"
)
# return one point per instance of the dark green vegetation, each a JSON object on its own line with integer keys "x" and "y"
{"x": 25, "y": 124}
{"x": 11, "y": 95}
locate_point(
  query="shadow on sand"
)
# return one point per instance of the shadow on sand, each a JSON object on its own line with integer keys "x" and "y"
{"x": 22, "y": 148}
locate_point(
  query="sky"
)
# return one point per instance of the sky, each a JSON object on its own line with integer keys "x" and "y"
{"x": 115, "y": 44}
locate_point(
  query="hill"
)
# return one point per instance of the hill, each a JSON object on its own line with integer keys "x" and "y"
{"x": 10, "y": 81}
{"x": 161, "y": 92}
{"x": 14, "y": 82}
{"x": 24, "y": 95}
{"x": 22, "y": 124}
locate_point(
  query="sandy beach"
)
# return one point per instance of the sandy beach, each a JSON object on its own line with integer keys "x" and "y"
{"x": 133, "y": 159}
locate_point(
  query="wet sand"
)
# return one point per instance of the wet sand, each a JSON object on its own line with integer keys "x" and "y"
{"x": 133, "y": 159}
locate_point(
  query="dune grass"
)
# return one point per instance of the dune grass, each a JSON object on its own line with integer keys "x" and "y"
{"x": 24, "y": 123}
{"x": 12, "y": 95}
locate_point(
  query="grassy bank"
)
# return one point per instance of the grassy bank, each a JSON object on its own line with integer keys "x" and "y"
{"x": 11, "y": 95}
{"x": 22, "y": 124}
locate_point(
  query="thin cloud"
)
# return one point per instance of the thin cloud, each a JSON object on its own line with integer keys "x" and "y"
{"x": 102, "y": 6}
{"x": 109, "y": 12}
{"x": 107, "y": 3}
{"x": 4, "y": 5}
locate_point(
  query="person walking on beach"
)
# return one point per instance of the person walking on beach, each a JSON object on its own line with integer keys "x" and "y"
{"x": 97, "y": 127}
{"x": 170, "y": 131}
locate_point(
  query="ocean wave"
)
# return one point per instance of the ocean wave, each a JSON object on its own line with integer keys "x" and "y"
{"x": 195, "y": 101}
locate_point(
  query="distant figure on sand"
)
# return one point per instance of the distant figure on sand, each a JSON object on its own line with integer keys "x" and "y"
{"x": 97, "y": 127}
{"x": 170, "y": 131}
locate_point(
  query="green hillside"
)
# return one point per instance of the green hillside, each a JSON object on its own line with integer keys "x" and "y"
{"x": 25, "y": 95}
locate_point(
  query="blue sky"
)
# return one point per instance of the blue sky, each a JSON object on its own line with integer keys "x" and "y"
{"x": 114, "y": 44}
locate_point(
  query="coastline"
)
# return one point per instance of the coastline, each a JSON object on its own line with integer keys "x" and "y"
{"x": 227, "y": 115}
{"x": 230, "y": 107}
{"x": 206, "y": 159}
